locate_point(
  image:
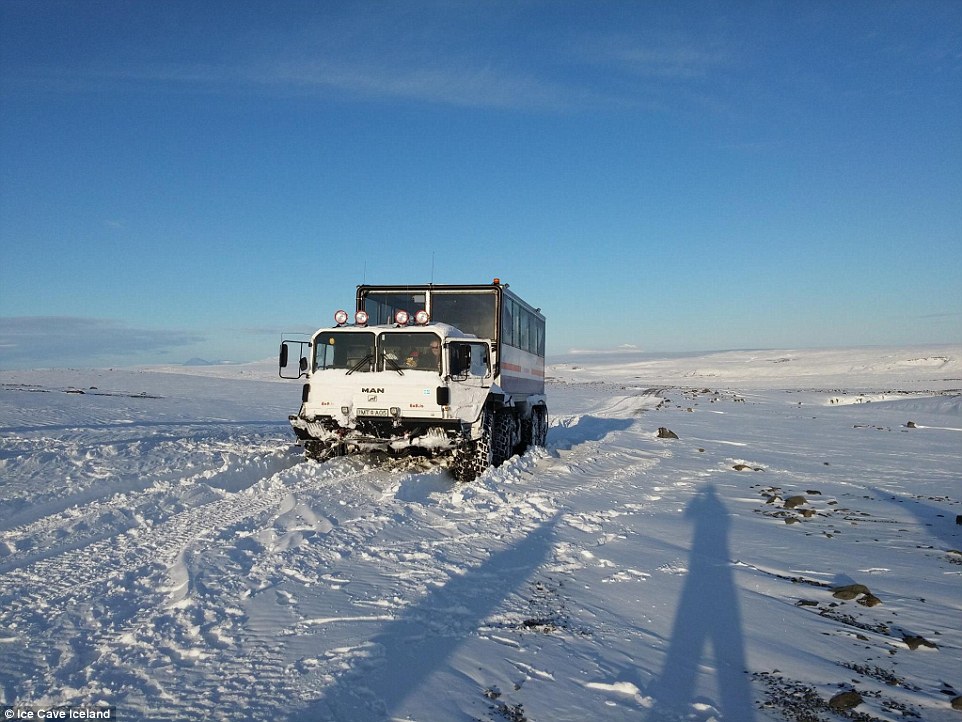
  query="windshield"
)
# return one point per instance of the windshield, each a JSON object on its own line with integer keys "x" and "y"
{"x": 402, "y": 351}
{"x": 344, "y": 350}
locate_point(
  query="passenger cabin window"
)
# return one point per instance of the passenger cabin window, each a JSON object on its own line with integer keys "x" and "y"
{"x": 381, "y": 307}
{"x": 521, "y": 328}
{"x": 470, "y": 311}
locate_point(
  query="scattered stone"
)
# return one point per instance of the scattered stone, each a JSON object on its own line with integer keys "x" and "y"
{"x": 869, "y": 600}
{"x": 911, "y": 425}
{"x": 807, "y": 513}
{"x": 791, "y": 520}
{"x": 850, "y": 591}
{"x": 958, "y": 519}
{"x": 957, "y": 702}
{"x": 913, "y": 642}
{"x": 664, "y": 433}
{"x": 806, "y": 603}
{"x": 881, "y": 674}
{"x": 793, "y": 501}
{"x": 845, "y": 700}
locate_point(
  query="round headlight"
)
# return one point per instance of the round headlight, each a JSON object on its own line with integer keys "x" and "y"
{"x": 402, "y": 318}
{"x": 421, "y": 318}
{"x": 340, "y": 318}
{"x": 360, "y": 318}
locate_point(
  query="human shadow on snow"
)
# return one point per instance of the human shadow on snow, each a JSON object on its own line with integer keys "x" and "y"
{"x": 420, "y": 641}
{"x": 708, "y": 611}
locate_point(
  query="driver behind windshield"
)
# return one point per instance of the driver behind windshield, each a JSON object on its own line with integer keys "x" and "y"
{"x": 425, "y": 357}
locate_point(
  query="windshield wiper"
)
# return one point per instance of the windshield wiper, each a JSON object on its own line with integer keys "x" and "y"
{"x": 366, "y": 360}
{"x": 392, "y": 362}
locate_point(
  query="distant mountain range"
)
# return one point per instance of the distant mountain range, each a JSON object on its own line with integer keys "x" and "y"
{"x": 203, "y": 362}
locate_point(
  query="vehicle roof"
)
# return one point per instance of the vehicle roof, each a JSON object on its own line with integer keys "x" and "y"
{"x": 444, "y": 330}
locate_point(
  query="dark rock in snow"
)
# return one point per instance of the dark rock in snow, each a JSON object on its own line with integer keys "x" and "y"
{"x": 793, "y": 501}
{"x": 845, "y": 700}
{"x": 850, "y": 591}
{"x": 664, "y": 433}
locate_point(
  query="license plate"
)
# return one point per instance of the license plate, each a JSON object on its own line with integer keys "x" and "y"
{"x": 373, "y": 412}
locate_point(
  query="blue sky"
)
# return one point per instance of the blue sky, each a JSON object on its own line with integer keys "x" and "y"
{"x": 183, "y": 179}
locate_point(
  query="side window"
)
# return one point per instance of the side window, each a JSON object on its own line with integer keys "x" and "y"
{"x": 479, "y": 360}
{"x": 525, "y": 341}
{"x": 507, "y": 322}
{"x": 466, "y": 359}
{"x": 517, "y": 326}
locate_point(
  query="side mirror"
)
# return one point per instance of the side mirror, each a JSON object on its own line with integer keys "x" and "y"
{"x": 285, "y": 360}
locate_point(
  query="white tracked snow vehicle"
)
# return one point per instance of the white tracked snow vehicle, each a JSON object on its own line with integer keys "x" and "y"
{"x": 425, "y": 369}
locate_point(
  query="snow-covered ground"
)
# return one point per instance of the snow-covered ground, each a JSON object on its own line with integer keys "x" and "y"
{"x": 165, "y": 550}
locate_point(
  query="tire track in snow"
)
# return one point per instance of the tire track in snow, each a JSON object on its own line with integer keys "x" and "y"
{"x": 54, "y": 594}
{"x": 254, "y": 673}
{"x": 68, "y": 573}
